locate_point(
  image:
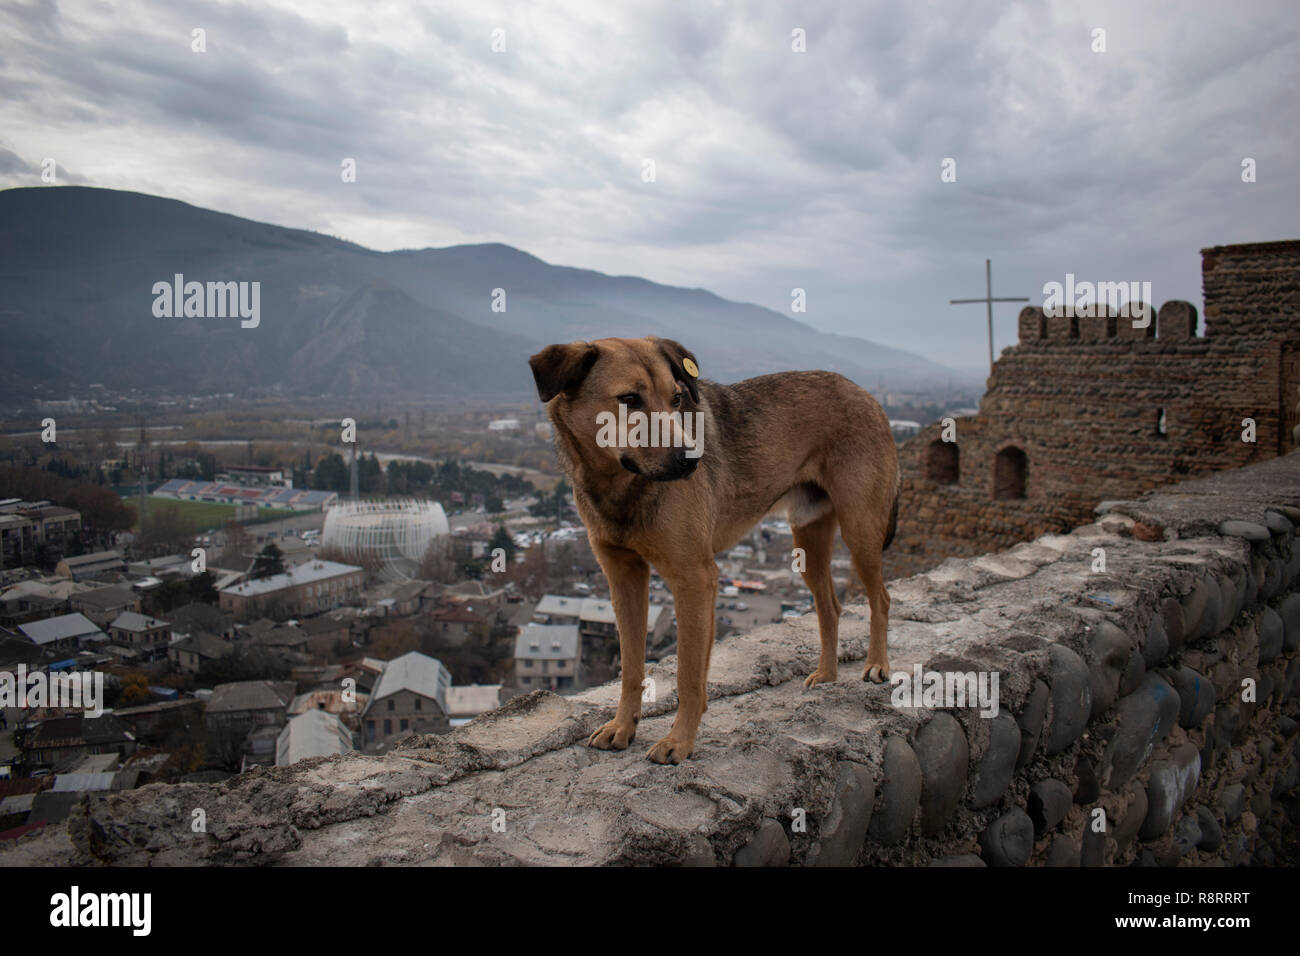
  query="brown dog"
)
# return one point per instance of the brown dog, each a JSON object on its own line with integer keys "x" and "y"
{"x": 812, "y": 443}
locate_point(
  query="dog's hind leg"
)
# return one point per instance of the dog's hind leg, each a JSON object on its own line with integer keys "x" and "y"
{"x": 865, "y": 530}
{"x": 866, "y": 546}
{"x": 817, "y": 539}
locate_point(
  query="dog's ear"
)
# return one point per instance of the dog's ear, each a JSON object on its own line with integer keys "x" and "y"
{"x": 685, "y": 369}
{"x": 559, "y": 368}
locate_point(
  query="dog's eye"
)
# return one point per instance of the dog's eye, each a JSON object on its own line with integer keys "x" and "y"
{"x": 631, "y": 399}
{"x": 677, "y": 399}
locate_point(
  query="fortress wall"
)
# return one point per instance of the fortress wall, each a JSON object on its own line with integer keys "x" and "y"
{"x": 1103, "y": 410}
{"x": 1251, "y": 289}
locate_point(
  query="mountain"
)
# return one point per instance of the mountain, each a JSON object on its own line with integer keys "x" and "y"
{"x": 78, "y": 267}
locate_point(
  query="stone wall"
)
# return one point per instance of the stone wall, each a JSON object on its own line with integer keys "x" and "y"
{"x": 1251, "y": 289}
{"x": 1147, "y": 715}
{"x": 1102, "y": 410}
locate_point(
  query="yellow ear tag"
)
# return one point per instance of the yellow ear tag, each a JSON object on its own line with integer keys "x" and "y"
{"x": 691, "y": 368}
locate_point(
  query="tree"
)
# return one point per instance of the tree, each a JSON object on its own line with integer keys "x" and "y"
{"x": 203, "y": 588}
{"x": 165, "y": 529}
{"x": 438, "y": 564}
{"x": 393, "y": 640}
{"x": 370, "y": 477}
{"x": 239, "y": 665}
{"x": 556, "y": 503}
{"x": 331, "y": 474}
{"x": 171, "y": 593}
{"x": 501, "y": 539}
{"x": 238, "y": 544}
{"x": 135, "y": 688}
{"x": 268, "y": 562}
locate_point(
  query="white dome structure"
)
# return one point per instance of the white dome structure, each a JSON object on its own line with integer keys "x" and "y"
{"x": 396, "y": 531}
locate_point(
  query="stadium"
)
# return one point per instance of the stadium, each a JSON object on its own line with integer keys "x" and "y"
{"x": 395, "y": 533}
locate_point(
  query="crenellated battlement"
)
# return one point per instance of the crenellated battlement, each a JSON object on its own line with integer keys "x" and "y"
{"x": 1174, "y": 321}
{"x": 1251, "y": 291}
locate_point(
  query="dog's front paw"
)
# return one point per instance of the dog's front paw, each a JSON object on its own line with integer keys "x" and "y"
{"x": 615, "y": 735}
{"x": 876, "y": 673}
{"x": 820, "y": 676}
{"x": 670, "y": 750}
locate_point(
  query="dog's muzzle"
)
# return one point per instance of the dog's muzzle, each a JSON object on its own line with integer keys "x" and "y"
{"x": 679, "y": 467}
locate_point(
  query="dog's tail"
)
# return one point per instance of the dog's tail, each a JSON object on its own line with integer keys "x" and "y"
{"x": 893, "y": 513}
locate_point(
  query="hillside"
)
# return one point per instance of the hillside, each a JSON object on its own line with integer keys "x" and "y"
{"x": 79, "y": 265}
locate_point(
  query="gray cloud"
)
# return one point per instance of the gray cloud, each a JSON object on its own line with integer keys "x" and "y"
{"x": 775, "y": 169}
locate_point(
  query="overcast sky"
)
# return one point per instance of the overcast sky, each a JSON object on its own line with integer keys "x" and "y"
{"x": 774, "y": 169}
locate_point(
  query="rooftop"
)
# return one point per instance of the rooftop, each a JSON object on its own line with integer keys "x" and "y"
{"x": 59, "y": 628}
{"x": 94, "y": 559}
{"x": 250, "y": 695}
{"x": 313, "y": 733}
{"x": 456, "y": 614}
{"x": 131, "y": 621}
{"x": 547, "y": 642}
{"x": 308, "y": 573}
{"x": 590, "y": 610}
{"x": 415, "y": 672}
{"x": 106, "y": 598}
{"x": 473, "y": 699}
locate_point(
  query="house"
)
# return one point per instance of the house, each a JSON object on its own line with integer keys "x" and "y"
{"x": 255, "y": 629}
{"x": 56, "y": 528}
{"x": 325, "y": 632}
{"x": 26, "y": 526}
{"x": 122, "y": 656}
{"x": 556, "y": 609}
{"x": 147, "y": 636}
{"x": 472, "y": 542}
{"x": 283, "y": 640}
{"x": 549, "y": 657}
{"x": 595, "y": 617}
{"x": 457, "y": 623}
{"x": 313, "y": 733}
{"x": 170, "y": 565}
{"x": 18, "y": 649}
{"x": 67, "y": 632}
{"x": 482, "y": 597}
{"x": 104, "y": 604}
{"x": 467, "y": 702}
{"x": 238, "y": 707}
{"x": 197, "y": 616}
{"x": 17, "y": 541}
{"x": 259, "y": 747}
{"x": 87, "y": 566}
{"x": 411, "y": 697}
{"x": 29, "y": 599}
{"x": 189, "y": 653}
{"x": 366, "y": 672}
{"x": 331, "y": 700}
{"x": 305, "y": 589}
{"x": 152, "y": 722}
{"x": 399, "y": 598}
{"x": 58, "y": 739}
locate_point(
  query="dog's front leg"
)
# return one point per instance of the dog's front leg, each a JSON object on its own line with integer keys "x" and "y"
{"x": 629, "y": 587}
{"x": 695, "y": 591}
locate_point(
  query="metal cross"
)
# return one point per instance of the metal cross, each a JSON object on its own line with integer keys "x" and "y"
{"x": 988, "y": 300}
